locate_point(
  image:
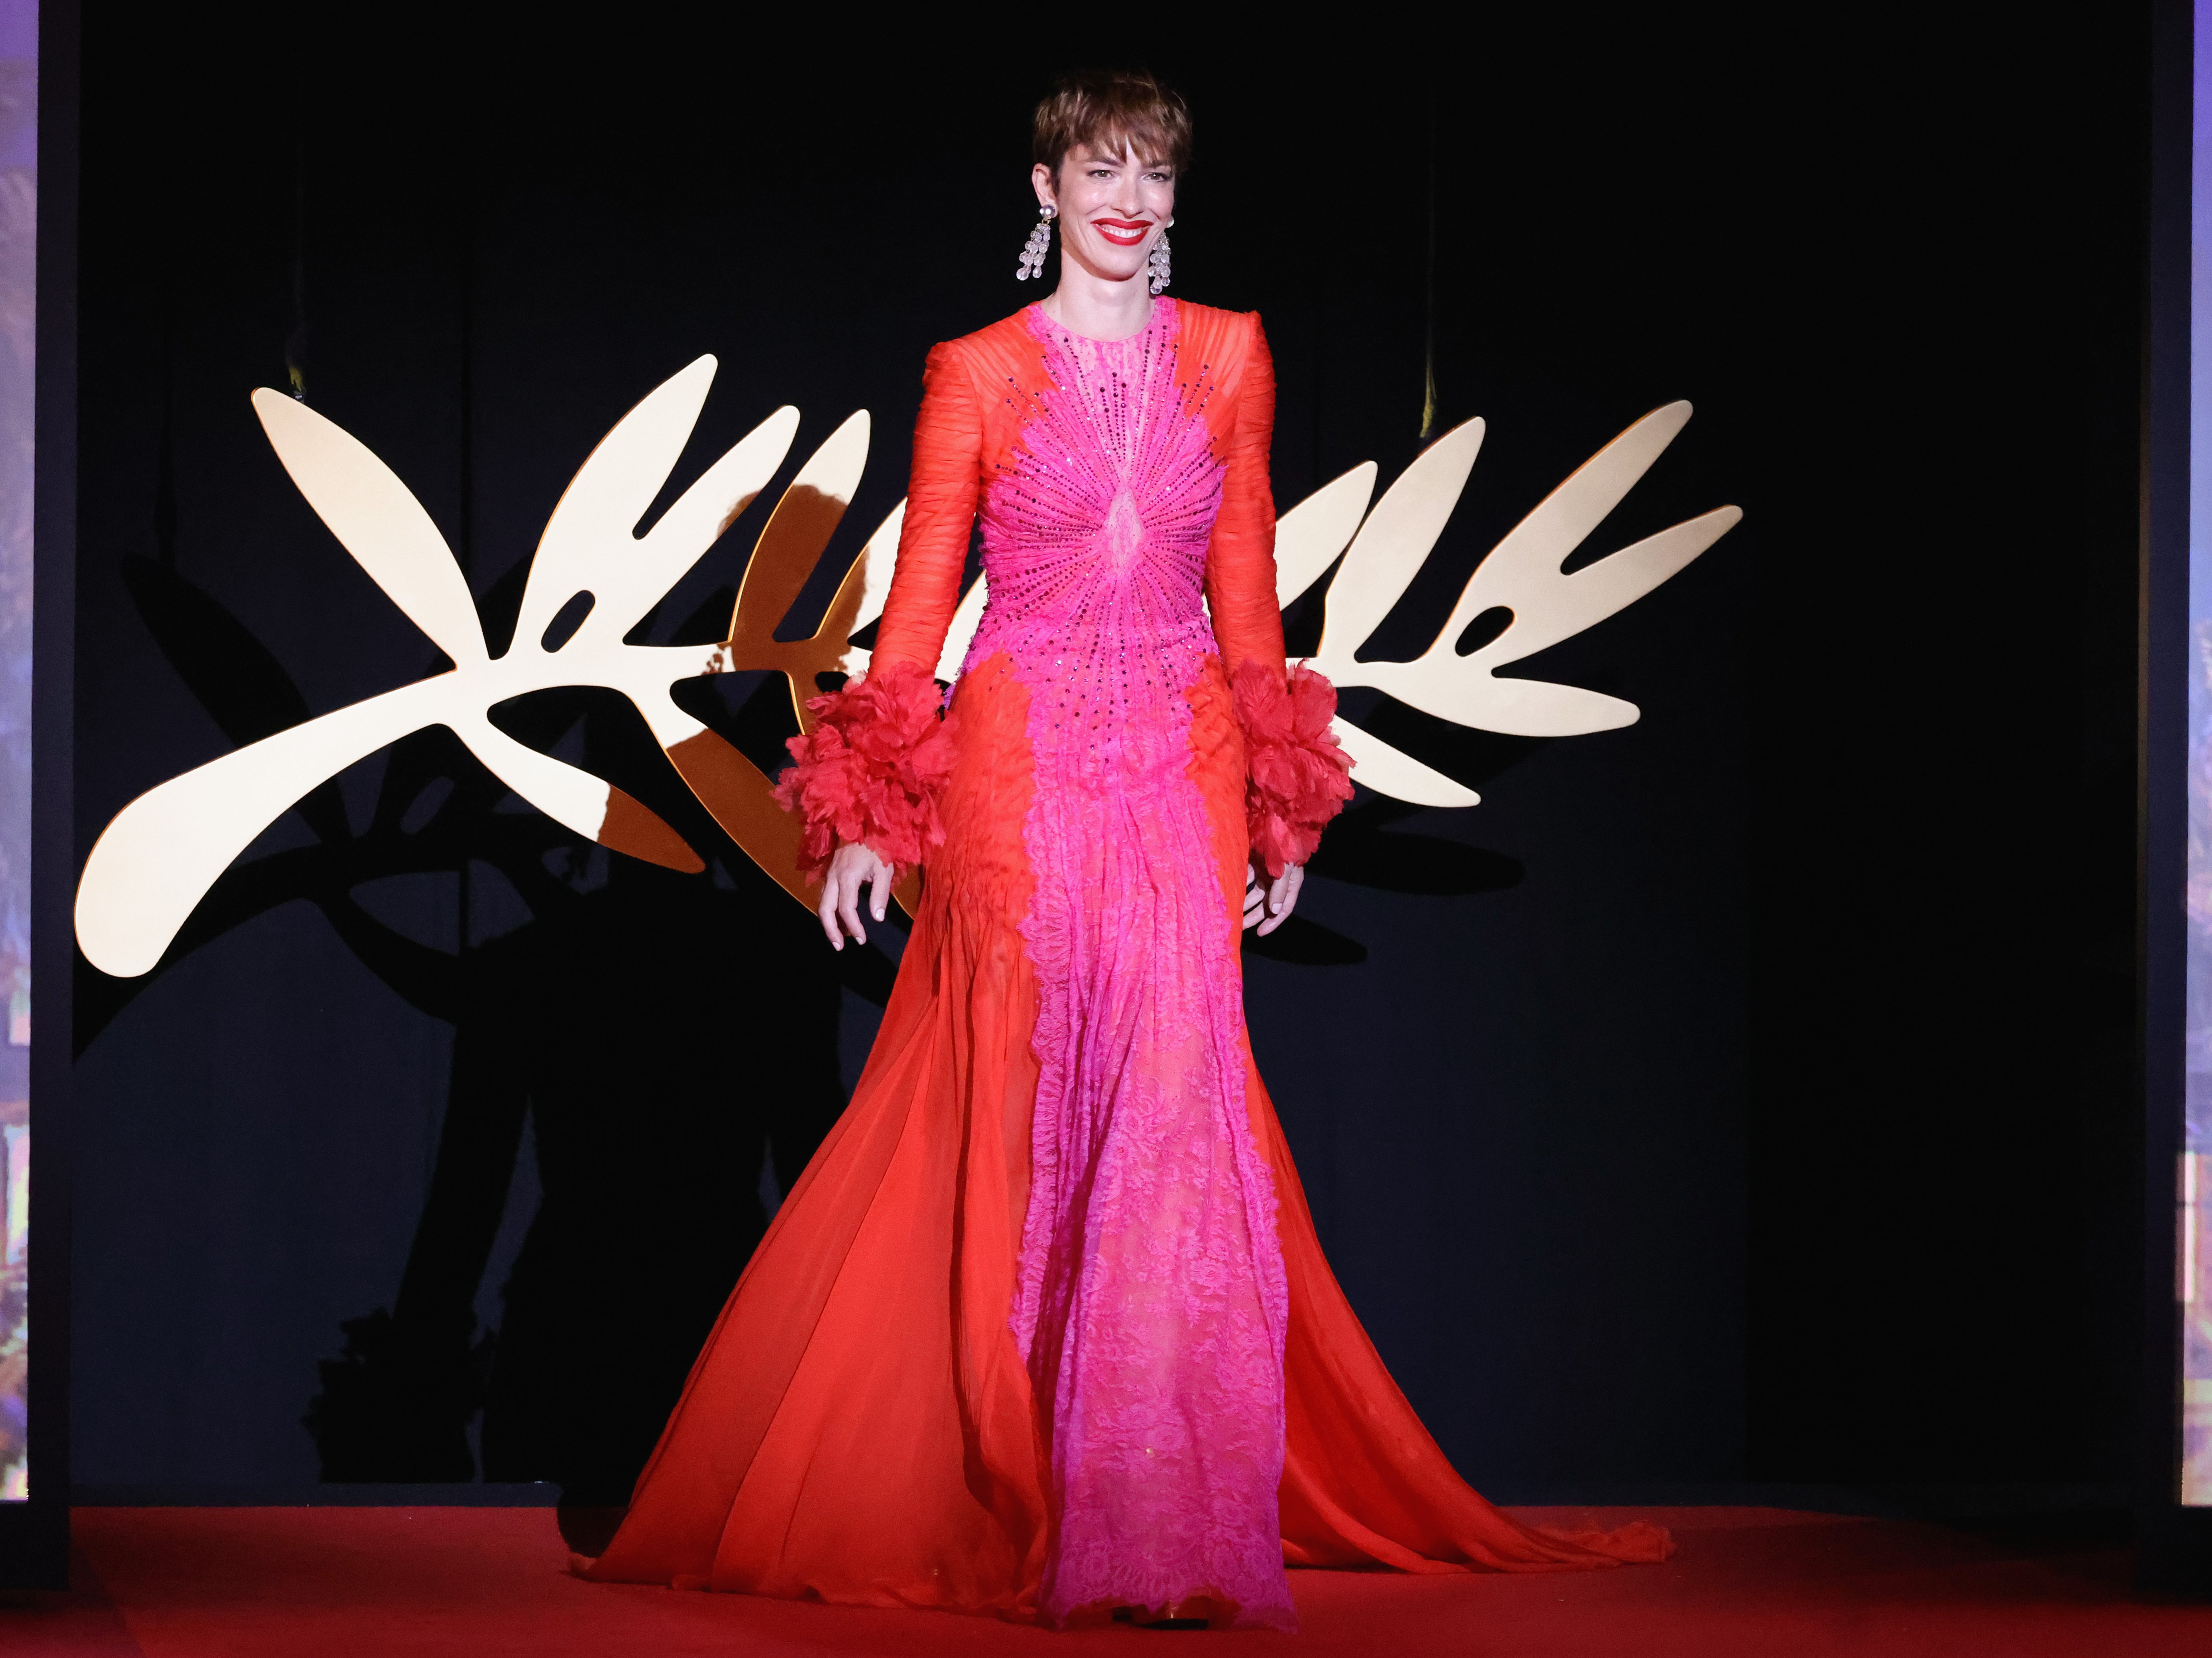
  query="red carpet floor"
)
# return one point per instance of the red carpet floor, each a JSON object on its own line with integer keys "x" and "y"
{"x": 482, "y": 1583}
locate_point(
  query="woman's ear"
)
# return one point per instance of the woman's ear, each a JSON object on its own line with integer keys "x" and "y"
{"x": 1041, "y": 176}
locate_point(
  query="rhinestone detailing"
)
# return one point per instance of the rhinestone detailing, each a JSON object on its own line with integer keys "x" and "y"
{"x": 1157, "y": 260}
{"x": 1040, "y": 244}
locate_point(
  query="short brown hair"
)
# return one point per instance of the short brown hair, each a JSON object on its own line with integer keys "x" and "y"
{"x": 1112, "y": 111}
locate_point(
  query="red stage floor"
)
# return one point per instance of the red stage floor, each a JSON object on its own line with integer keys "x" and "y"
{"x": 479, "y": 1582}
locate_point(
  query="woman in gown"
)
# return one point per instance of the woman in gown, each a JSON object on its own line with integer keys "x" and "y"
{"x": 1044, "y": 1329}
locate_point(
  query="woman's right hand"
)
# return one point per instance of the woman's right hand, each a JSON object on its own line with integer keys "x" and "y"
{"x": 852, "y": 868}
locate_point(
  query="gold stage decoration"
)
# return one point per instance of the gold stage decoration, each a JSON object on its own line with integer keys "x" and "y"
{"x": 157, "y": 860}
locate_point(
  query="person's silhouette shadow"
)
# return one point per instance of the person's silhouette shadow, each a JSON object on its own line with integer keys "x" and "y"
{"x": 668, "y": 1036}
{"x": 663, "y": 1037}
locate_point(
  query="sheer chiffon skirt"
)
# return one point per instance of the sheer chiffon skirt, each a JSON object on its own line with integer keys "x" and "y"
{"x": 861, "y": 1427}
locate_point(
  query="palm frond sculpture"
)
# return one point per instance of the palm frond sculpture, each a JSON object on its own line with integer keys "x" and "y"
{"x": 157, "y": 860}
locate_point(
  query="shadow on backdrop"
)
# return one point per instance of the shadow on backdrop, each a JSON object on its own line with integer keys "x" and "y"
{"x": 665, "y": 1040}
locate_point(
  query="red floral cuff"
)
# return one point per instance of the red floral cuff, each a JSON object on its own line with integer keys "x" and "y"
{"x": 870, "y": 770}
{"x": 1295, "y": 770}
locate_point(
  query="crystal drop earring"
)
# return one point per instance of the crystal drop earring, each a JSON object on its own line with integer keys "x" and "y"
{"x": 1040, "y": 244}
{"x": 1158, "y": 260}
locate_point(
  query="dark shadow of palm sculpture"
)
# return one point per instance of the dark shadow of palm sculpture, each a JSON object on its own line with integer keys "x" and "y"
{"x": 655, "y": 1066}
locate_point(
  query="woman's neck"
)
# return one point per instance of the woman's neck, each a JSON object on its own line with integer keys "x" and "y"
{"x": 1099, "y": 307}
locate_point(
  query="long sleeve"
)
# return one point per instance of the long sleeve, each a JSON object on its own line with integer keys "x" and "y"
{"x": 1239, "y": 562}
{"x": 869, "y": 771}
{"x": 940, "y": 514}
{"x": 1296, "y": 771}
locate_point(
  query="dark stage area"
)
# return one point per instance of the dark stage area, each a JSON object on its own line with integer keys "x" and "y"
{"x": 1741, "y": 1096}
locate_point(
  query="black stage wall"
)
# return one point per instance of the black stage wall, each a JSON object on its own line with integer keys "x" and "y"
{"x": 1742, "y": 1094}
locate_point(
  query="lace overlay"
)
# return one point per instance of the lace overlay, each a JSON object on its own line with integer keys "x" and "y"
{"x": 1150, "y": 1303}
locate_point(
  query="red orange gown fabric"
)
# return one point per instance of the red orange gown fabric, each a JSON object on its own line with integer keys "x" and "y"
{"x": 1044, "y": 1329}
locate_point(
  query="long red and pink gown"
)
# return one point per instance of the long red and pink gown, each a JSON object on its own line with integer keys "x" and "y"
{"x": 1044, "y": 1329}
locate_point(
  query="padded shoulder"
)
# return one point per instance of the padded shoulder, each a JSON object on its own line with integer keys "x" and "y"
{"x": 1218, "y": 349}
{"x": 1217, "y": 343}
{"x": 1007, "y": 351}
{"x": 1001, "y": 368}
{"x": 1222, "y": 337}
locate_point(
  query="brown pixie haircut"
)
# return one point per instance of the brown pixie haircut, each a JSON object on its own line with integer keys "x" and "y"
{"x": 1112, "y": 110}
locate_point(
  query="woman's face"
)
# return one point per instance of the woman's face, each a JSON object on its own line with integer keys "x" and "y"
{"x": 1112, "y": 208}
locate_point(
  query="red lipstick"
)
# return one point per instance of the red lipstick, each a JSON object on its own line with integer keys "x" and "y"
{"x": 1123, "y": 233}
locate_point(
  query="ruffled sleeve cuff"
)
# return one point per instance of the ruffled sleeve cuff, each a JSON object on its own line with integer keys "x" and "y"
{"x": 1296, "y": 771}
{"x": 870, "y": 770}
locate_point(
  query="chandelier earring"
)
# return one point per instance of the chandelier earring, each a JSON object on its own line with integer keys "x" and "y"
{"x": 1040, "y": 244}
{"x": 1158, "y": 259}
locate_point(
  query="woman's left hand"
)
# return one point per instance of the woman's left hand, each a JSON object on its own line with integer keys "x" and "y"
{"x": 1268, "y": 905}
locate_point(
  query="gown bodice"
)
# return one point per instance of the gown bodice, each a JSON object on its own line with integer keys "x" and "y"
{"x": 1127, "y": 474}
{"x": 1103, "y": 513}
{"x": 1095, "y": 535}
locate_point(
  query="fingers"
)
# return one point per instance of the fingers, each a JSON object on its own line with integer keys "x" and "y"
{"x": 1282, "y": 897}
{"x": 853, "y": 868}
{"x": 1254, "y": 901}
{"x": 849, "y": 908}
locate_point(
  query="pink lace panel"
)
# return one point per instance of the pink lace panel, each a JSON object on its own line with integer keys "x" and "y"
{"x": 1150, "y": 1303}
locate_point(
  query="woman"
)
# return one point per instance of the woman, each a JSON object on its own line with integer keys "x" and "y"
{"x": 1044, "y": 1329}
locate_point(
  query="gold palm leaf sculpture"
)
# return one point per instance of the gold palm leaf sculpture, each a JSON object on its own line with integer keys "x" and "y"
{"x": 157, "y": 860}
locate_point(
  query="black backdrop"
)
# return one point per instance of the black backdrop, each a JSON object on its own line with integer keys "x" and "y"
{"x": 1743, "y": 1094}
